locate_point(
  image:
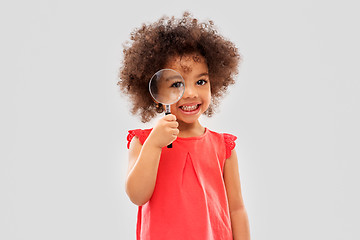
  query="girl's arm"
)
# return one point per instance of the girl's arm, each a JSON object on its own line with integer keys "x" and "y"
{"x": 142, "y": 171}
{"x": 144, "y": 159}
{"x": 238, "y": 215}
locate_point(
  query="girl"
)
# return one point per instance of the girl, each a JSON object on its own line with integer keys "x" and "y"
{"x": 192, "y": 190}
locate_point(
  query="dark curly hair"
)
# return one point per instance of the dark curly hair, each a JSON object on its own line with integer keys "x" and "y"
{"x": 154, "y": 44}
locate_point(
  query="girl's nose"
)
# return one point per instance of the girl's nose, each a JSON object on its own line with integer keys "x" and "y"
{"x": 190, "y": 92}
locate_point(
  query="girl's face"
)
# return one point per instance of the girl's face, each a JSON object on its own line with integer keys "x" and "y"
{"x": 197, "y": 95}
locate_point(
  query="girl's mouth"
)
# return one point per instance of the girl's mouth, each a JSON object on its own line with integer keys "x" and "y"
{"x": 190, "y": 109}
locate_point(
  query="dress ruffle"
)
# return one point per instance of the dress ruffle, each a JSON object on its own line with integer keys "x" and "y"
{"x": 229, "y": 143}
{"x": 140, "y": 133}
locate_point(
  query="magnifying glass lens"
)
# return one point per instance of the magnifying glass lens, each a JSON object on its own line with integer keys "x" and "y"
{"x": 167, "y": 86}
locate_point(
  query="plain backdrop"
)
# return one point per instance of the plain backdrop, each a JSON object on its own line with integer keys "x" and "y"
{"x": 295, "y": 109}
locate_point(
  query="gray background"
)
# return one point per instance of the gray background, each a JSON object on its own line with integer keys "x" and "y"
{"x": 295, "y": 110}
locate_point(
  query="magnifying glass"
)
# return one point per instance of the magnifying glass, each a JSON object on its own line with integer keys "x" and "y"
{"x": 167, "y": 86}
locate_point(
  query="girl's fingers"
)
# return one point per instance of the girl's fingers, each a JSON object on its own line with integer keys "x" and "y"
{"x": 176, "y": 131}
{"x": 170, "y": 117}
{"x": 173, "y": 124}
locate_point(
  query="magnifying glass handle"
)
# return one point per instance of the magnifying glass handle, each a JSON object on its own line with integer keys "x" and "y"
{"x": 167, "y": 111}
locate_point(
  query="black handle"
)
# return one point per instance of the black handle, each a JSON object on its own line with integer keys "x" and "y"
{"x": 170, "y": 145}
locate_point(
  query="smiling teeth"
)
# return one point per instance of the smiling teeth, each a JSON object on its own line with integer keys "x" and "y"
{"x": 189, "y": 108}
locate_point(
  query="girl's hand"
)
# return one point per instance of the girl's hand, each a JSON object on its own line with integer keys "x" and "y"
{"x": 164, "y": 132}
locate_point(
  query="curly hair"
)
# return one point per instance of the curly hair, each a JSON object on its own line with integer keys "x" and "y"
{"x": 152, "y": 45}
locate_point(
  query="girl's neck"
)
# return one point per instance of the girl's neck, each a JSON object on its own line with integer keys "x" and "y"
{"x": 190, "y": 129}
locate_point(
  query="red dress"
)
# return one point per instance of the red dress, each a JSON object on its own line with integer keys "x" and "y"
{"x": 189, "y": 200}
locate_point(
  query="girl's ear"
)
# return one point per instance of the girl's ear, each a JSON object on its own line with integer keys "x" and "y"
{"x": 159, "y": 106}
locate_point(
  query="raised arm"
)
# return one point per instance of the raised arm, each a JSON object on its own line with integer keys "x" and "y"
{"x": 144, "y": 159}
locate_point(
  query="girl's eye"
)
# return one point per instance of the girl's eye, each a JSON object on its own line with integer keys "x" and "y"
{"x": 177, "y": 84}
{"x": 201, "y": 82}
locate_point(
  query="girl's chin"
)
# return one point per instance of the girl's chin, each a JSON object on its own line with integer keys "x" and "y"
{"x": 188, "y": 118}
{"x": 187, "y": 121}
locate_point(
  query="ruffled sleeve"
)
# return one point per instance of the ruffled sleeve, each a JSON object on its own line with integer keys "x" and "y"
{"x": 141, "y": 134}
{"x": 229, "y": 143}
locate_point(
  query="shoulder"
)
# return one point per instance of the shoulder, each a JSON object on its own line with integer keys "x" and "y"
{"x": 227, "y": 139}
{"x": 141, "y": 134}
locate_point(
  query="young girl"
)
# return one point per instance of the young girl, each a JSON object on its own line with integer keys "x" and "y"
{"x": 192, "y": 190}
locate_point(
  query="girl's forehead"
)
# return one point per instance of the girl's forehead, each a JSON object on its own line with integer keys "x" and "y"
{"x": 187, "y": 63}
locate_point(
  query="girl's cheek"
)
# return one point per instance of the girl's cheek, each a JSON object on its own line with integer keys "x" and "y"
{"x": 173, "y": 108}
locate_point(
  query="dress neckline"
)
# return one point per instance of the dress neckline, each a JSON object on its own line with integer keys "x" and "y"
{"x": 195, "y": 137}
